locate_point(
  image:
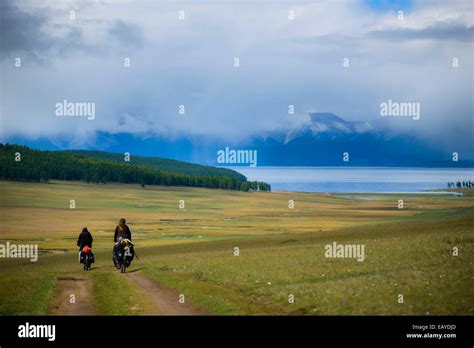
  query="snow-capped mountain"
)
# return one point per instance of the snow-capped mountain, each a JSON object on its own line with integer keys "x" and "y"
{"x": 326, "y": 140}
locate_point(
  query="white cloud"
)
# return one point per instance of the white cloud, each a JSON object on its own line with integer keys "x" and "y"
{"x": 190, "y": 62}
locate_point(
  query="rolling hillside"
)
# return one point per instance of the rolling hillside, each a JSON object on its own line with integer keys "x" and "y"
{"x": 26, "y": 164}
{"x": 164, "y": 164}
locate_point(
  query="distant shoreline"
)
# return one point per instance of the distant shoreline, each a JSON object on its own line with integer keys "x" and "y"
{"x": 359, "y": 179}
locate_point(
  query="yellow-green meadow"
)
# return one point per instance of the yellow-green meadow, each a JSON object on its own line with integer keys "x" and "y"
{"x": 233, "y": 252}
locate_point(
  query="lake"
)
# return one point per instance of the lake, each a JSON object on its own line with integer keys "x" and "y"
{"x": 356, "y": 180}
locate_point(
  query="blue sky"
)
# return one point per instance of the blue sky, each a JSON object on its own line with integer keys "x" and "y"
{"x": 190, "y": 62}
{"x": 390, "y": 5}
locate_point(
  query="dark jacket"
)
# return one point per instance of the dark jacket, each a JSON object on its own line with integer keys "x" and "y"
{"x": 85, "y": 238}
{"x": 124, "y": 233}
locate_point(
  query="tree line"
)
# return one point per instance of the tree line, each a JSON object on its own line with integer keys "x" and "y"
{"x": 163, "y": 164}
{"x": 461, "y": 184}
{"x": 19, "y": 162}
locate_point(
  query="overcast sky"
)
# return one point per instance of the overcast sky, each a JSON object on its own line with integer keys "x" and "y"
{"x": 190, "y": 62}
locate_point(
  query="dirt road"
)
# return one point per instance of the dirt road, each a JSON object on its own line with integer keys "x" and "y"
{"x": 74, "y": 297}
{"x": 165, "y": 301}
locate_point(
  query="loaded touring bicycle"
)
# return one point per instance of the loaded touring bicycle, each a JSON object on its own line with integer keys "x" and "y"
{"x": 123, "y": 254}
{"x": 86, "y": 257}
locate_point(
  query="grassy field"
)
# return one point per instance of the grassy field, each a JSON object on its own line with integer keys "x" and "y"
{"x": 407, "y": 251}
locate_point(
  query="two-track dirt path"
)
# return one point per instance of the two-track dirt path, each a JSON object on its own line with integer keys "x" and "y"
{"x": 81, "y": 290}
{"x": 165, "y": 301}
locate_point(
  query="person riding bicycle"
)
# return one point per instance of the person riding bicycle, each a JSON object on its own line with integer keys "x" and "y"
{"x": 122, "y": 232}
{"x": 85, "y": 239}
{"x": 84, "y": 242}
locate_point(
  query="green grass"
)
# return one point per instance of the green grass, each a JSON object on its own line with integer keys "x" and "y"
{"x": 114, "y": 295}
{"x": 26, "y": 293}
{"x": 410, "y": 259}
{"x": 407, "y": 251}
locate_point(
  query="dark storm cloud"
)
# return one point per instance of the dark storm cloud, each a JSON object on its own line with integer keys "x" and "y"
{"x": 439, "y": 31}
{"x": 21, "y": 32}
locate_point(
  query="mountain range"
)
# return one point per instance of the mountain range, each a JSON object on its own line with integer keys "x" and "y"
{"x": 325, "y": 141}
{"x": 329, "y": 139}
